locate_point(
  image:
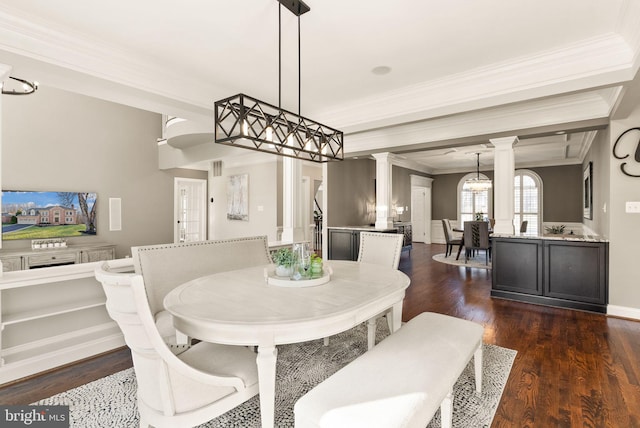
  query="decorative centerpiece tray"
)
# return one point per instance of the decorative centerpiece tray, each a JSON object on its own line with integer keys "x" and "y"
{"x": 283, "y": 281}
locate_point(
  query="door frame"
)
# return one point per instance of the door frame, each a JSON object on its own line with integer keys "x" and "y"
{"x": 202, "y": 184}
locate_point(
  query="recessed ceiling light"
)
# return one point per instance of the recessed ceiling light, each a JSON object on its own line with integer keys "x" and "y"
{"x": 381, "y": 70}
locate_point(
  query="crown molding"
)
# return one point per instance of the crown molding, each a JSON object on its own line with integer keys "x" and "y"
{"x": 398, "y": 160}
{"x": 606, "y": 60}
{"x": 629, "y": 29}
{"x": 601, "y": 61}
{"x": 545, "y": 112}
{"x": 585, "y": 145}
{"x": 45, "y": 43}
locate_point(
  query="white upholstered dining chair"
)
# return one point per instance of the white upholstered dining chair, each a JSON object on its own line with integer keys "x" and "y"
{"x": 382, "y": 249}
{"x": 181, "y": 390}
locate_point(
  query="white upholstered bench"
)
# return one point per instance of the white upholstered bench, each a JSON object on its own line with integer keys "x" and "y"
{"x": 401, "y": 382}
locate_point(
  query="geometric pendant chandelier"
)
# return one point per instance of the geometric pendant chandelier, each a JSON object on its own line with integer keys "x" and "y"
{"x": 246, "y": 122}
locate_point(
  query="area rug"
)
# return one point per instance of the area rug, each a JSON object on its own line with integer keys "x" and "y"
{"x": 474, "y": 262}
{"x": 111, "y": 401}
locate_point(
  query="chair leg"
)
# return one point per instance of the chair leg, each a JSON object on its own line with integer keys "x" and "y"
{"x": 371, "y": 333}
{"x": 459, "y": 251}
{"x": 477, "y": 362}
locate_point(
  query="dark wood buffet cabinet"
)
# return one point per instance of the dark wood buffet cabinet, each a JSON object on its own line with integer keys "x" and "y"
{"x": 569, "y": 273}
{"x": 344, "y": 242}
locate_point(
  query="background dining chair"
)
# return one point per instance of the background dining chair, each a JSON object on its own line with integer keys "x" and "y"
{"x": 183, "y": 390}
{"x": 382, "y": 249}
{"x": 449, "y": 237}
{"x": 476, "y": 237}
{"x": 523, "y": 226}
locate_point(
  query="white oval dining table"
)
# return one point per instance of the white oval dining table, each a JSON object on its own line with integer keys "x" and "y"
{"x": 240, "y": 308}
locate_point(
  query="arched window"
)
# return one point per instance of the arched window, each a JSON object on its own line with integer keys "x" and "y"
{"x": 471, "y": 203}
{"x": 527, "y": 197}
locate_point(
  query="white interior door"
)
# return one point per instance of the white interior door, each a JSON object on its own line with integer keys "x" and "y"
{"x": 190, "y": 208}
{"x": 421, "y": 214}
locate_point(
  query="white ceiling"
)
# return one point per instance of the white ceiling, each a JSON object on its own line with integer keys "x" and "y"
{"x": 461, "y": 71}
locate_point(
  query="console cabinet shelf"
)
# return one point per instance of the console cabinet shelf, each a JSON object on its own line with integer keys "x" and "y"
{"x": 32, "y": 259}
{"x": 344, "y": 242}
{"x": 554, "y": 272}
{"x": 54, "y": 315}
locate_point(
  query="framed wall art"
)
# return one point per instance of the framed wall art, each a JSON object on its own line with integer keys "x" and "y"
{"x": 587, "y": 192}
{"x": 238, "y": 197}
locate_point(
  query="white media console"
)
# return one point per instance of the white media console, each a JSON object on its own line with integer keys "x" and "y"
{"x": 52, "y": 309}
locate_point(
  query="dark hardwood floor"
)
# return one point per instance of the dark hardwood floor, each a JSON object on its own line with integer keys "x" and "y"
{"x": 573, "y": 369}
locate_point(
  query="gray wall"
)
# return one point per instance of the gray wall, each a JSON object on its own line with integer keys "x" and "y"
{"x": 262, "y": 204}
{"x": 562, "y": 193}
{"x": 624, "y": 228}
{"x": 350, "y": 191}
{"x": 444, "y": 195}
{"x": 401, "y": 189}
{"x": 59, "y": 141}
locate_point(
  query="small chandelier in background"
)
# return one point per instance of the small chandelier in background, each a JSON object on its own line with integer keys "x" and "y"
{"x": 478, "y": 184}
{"x": 25, "y": 88}
{"x": 246, "y": 122}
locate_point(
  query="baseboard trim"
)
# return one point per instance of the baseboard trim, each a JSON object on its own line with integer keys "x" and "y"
{"x": 623, "y": 312}
{"x": 47, "y": 361}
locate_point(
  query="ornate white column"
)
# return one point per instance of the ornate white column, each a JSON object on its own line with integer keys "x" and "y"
{"x": 292, "y": 227}
{"x": 384, "y": 217}
{"x": 504, "y": 171}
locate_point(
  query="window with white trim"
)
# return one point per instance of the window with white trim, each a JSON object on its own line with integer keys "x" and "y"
{"x": 471, "y": 203}
{"x": 527, "y": 198}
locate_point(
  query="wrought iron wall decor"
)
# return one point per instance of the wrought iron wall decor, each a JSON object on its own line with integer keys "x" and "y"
{"x": 26, "y": 87}
{"x": 246, "y": 122}
{"x": 623, "y": 147}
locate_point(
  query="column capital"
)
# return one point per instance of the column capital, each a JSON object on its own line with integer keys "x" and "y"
{"x": 504, "y": 142}
{"x": 385, "y": 157}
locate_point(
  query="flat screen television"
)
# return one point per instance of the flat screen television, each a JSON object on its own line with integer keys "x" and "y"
{"x": 47, "y": 215}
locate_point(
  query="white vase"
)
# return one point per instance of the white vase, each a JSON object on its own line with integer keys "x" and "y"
{"x": 283, "y": 270}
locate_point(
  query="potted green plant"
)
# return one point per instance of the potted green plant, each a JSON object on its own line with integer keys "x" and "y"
{"x": 283, "y": 259}
{"x": 555, "y": 230}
